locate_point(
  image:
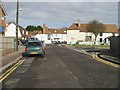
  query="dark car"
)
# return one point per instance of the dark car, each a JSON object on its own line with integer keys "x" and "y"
{"x": 34, "y": 47}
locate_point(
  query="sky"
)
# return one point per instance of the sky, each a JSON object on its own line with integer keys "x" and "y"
{"x": 62, "y": 13}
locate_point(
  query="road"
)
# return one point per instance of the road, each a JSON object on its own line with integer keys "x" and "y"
{"x": 62, "y": 68}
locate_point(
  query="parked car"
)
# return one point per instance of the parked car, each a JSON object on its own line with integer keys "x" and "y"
{"x": 56, "y": 42}
{"x": 32, "y": 38}
{"x": 24, "y": 42}
{"x": 34, "y": 47}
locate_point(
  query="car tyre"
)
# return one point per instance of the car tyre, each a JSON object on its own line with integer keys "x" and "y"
{"x": 23, "y": 55}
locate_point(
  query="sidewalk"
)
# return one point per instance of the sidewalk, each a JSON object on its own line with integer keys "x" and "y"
{"x": 103, "y": 53}
{"x": 9, "y": 55}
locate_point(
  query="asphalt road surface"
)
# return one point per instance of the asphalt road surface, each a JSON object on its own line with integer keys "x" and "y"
{"x": 62, "y": 68}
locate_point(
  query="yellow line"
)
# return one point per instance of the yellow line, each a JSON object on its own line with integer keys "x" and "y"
{"x": 8, "y": 74}
{"x": 11, "y": 71}
{"x": 104, "y": 61}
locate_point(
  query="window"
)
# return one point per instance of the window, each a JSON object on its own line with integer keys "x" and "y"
{"x": 105, "y": 40}
{"x": 100, "y": 39}
{"x": 101, "y": 34}
{"x": 48, "y": 37}
{"x": 34, "y": 44}
{"x": 88, "y": 38}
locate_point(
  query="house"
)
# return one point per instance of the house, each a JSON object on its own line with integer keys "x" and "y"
{"x": 2, "y": 19}
{"x": 50, "y": 35}
{"x": 11, "y": 31}
{"x": 119, "y": 31}
{"x": 78, "y": 32}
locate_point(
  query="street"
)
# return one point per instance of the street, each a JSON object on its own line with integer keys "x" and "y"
{"x": 62, "y": 67}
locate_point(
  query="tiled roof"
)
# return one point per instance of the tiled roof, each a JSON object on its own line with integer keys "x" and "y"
{"x": 56, "y": 31}
{"x": 110, "y": 28}
{"x": 36, "y": 32}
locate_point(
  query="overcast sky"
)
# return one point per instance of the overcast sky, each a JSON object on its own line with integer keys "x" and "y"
{"x": 62, "y": 14}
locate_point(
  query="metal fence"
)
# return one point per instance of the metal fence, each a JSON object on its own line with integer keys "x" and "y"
{"x": 115, "y": 45}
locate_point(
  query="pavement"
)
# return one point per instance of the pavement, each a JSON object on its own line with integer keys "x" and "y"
{"x": 103, "y": 53}
{"x": 9, "y": 56}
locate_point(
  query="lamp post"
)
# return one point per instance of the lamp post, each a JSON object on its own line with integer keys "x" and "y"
{"x": 17, "y": 14}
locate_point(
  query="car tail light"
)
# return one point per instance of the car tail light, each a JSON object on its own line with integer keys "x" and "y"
{"x": 41, "y": 48}
{"x": 26, "y": 49}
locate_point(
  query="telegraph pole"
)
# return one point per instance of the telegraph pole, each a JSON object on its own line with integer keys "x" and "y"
{"x": 17, "y": 14}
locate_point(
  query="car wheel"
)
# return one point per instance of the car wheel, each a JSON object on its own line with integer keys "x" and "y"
{"x": 42, "y": 55}
{"x": 23, "y": 55}
{"x": 44, "y": 52}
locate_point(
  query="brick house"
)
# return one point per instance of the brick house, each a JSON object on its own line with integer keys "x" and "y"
{"x": 2, "y": 19}
{"x": 50, "y": 35}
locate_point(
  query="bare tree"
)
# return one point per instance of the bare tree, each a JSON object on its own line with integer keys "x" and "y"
{"x": 95, "y": 27}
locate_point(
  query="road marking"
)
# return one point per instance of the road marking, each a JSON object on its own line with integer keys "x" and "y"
{"x": 7, "y": 73}
{"x": 10, "y": 69}
{"x": 104, "y": 61}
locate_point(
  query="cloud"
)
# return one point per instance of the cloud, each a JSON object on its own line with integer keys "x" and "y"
{"x": 62, "y": 0}
{"x": 59, "y": 14}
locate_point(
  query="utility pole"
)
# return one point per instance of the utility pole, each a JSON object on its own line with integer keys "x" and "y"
{"x": 17, "y": 14}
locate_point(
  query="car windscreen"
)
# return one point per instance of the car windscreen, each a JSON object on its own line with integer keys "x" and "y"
{"x": 34, "y": 44}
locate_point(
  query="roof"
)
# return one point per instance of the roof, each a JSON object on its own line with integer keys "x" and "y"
{"x": 36, "y": 32}
{"x": 56, "y": 31}
{"x": 3, "y": 9}
{"x": 110, "y": 28}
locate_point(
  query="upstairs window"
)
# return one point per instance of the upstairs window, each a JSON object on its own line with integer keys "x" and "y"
{"x": 48, "y": 36}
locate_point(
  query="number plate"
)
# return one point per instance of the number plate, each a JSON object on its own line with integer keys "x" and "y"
{"x": 33, "y": 53}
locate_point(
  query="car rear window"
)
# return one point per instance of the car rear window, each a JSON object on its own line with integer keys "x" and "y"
{"x": 34, "y": 44}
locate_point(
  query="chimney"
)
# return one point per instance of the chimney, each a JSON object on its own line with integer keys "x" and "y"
{"x": 79, "y": 23}
{"x": 44, "y": 28}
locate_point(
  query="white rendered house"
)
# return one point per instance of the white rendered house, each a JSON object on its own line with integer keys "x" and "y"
{"x": 78, "y": 32}
{"x": 11, "y": 31}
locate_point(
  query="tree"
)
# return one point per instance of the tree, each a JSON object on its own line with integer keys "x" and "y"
{"x": 30, "y": 28}
{"x": 95, "y": 27}
{"x": 39, "y": 28}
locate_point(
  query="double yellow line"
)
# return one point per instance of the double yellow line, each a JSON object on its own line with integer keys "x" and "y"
{"x": 9, "y": 71}
{"x": 95, "y": 56}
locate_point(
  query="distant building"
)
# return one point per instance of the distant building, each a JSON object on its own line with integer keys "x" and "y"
{"x": 11, "y": 31}
{"x": 50, "y": 35}
{"x": 2, "y": 19}
{"x": 119, "y": 31}
{"x": 78, "y": 32}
